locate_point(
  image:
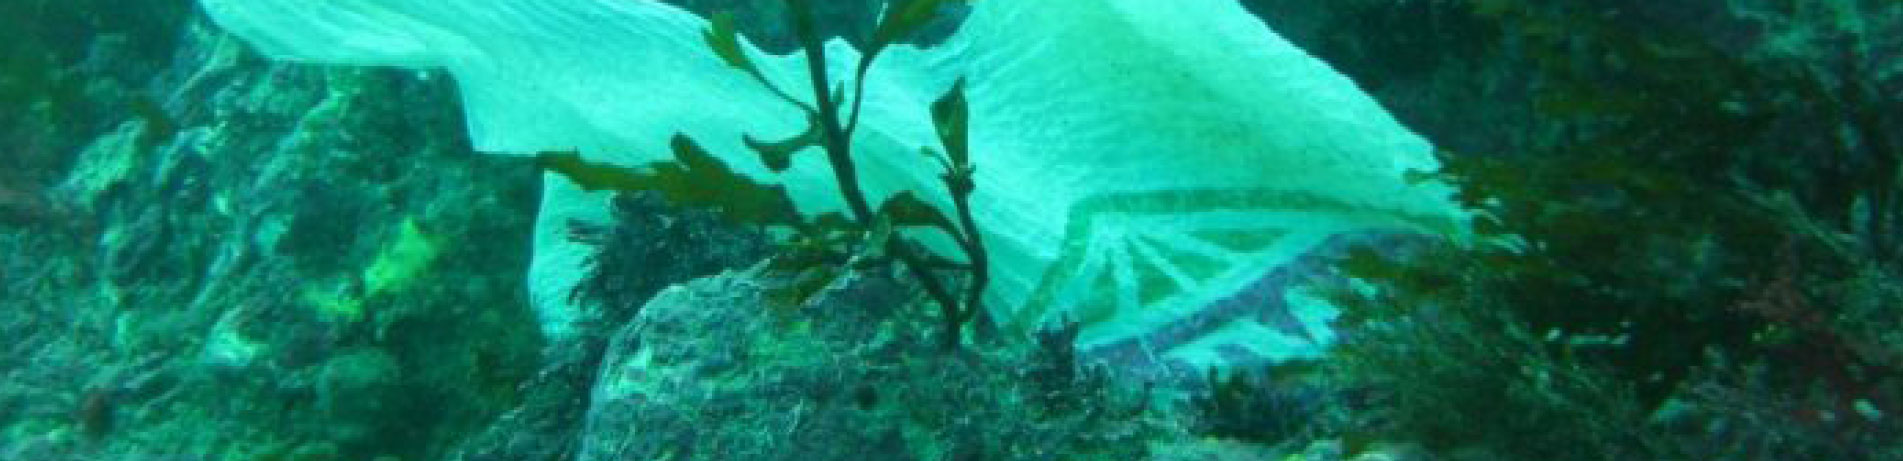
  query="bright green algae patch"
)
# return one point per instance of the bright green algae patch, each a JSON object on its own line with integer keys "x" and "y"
{"x": 402, "y": 261}
{"x": 399, "y": 265}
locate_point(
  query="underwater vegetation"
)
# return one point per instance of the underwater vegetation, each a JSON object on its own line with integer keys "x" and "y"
{"x": 1696, "y": 259}
{"x": 1256, "y": 406}
{"x": 827, "y": 245}
{"x": 649, "y": 232}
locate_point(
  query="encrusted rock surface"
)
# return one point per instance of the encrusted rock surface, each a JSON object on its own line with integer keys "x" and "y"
{"x": 716, "y": 369}
{"x": 256, "y": 261}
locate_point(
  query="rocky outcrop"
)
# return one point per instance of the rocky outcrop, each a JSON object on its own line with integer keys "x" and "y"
{"x": 718, "y": 369}
{"x": 251, "y": 260}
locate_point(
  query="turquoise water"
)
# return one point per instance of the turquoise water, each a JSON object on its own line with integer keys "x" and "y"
{"x": 948, "y": 230}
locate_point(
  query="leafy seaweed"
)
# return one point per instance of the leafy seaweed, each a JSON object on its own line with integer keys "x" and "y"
{"x": 724, "y": 39}
{"x": 778, "y": 155}
{"x": 1635, "y": 267}
{"x": 950, "y": 115}
{"x": 823, "y": 246}
{"x": 693, "y": 179}
{"x": 903, "y": 20}
{"x": 1252, "y": 406}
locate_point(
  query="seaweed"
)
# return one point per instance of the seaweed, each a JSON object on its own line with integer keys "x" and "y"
{"x": 823, "y": 245}
{"x": 1263, "y": 406}
{"x": 1684, "y": 202}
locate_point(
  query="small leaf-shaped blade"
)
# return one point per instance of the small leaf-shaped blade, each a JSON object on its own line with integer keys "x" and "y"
{"x": 710, "y": 183}
{"x": 906, "y": 210}
{"x": 951, "y": 115}
{"x": 902, "y": 19}
{"x": 778, "y": 155}
{"x": 695, "y": 179}
{"x": 724, "y": 38}
{"x": 593, "y": 177}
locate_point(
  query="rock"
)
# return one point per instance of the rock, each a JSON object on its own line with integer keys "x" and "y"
{"x": 1393, "y": 452}
{"x": 353, "y": 389}
{"x": 714, "y": 369}
{"x": 1220, "y": 450}
{"x": 255, "y": 229}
